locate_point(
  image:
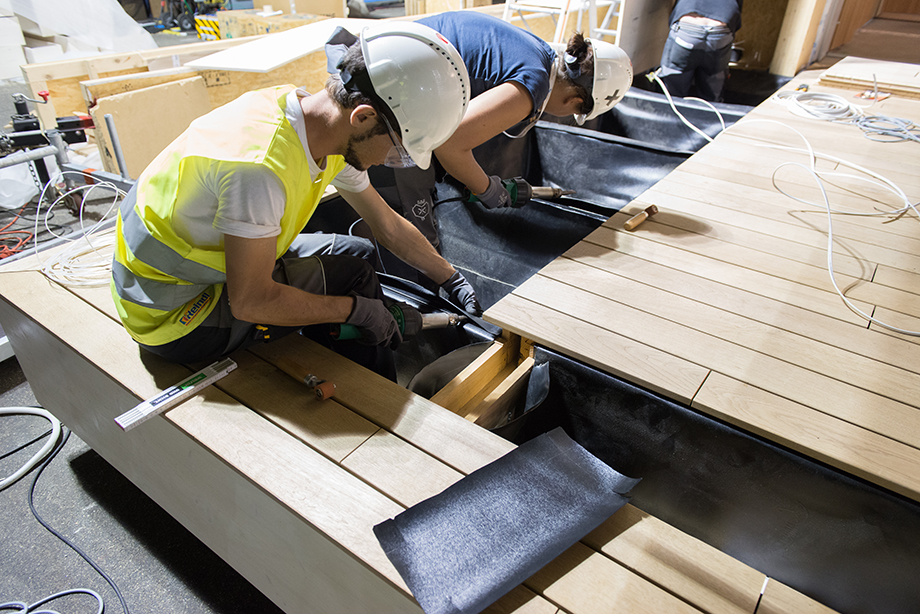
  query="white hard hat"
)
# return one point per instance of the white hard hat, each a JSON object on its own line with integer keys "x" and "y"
{"x": 421, "y": 79}
{"x": 612, "y": 77}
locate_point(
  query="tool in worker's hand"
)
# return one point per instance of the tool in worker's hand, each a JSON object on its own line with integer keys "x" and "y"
{"x": 174, "y": 395}
{"x": 409, "y": 320}
{"x": 640, "y": 217}
{"x": 521, "y": 192}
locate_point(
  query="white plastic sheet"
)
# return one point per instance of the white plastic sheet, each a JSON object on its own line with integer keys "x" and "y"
{"x": 100, "y": 23}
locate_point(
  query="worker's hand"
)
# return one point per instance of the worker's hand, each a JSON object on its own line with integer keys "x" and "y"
{"x": 375, "y": 323}
{"x": 495, "y": 195}
{"x": 460, "y": 292}
{"x": 412, "y": 321}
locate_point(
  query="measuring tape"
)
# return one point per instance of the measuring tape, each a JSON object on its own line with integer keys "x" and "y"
{"x": 174, "y": 395}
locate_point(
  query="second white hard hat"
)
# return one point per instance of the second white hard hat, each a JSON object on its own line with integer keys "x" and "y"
{"x": 612, "y": 77}
{"x": 422, "y": 80}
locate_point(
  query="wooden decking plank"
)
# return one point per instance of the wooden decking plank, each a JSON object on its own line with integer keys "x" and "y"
{"x": 522, "y": 600}
{"x": 838, "y": 139}
{"x": 738, "y": 255}
{"x": 792, "y": 179}
{"x": 609, "y": 351}
{"x": 710, "y": 579}
{"x": 898, "y": 278}
{"x": 679, "y": 214}
{"x": 742, "y": 164}
{"x": 639, "y": 246}
{"x": 852, "y": 337}
{"x": 584, "y": 581}
{"x": 868, "y": 410}
{"x": 781, "y": 599}
{"x": 401, "y": 471}
{"x": 772, "y": 204}
{"x": 873, "y": 457}
{"x": 446, "y": 436}
{"x": 898, "y": 320}
{"x": 327, "y": 427}
{"x": 849, "y": 253}
{"x": 871, "y": 375}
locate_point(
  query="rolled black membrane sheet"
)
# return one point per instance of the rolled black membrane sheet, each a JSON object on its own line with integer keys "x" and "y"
{"x": 464, "y": 548}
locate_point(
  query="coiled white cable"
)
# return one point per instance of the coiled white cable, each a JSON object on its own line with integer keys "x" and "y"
{"x": 87, "y": 262}
{"x": 43, "y": 452}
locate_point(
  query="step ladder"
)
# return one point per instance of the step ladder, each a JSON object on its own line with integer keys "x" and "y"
{"x": 559, "y": 11}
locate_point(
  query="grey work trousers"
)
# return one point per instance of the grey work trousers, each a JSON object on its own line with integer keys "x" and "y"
{"x": 695, "y": 60}
{"x": 327, "y": 264}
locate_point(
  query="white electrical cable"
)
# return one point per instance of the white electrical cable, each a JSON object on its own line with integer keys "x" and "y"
{"x": 654, "y": 76}
{"x": 833, "y": 108}
{"x": 45, "y": 450}
{"x": 87, "y": 262}
{"x": 24, "y": 608}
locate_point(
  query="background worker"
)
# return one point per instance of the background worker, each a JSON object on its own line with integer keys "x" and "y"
{"x": 515, "y": 77}
{"x": 699, "y": 47}
{"x": 209, "y": 256}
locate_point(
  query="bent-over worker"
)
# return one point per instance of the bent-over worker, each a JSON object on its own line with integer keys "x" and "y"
{"x": 210, "y": 257}
{"x": 515, "y": 77}
{"x": 699, "y": 47}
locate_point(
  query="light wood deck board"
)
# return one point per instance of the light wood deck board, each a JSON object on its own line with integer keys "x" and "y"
{"x": 716, "y": 582}
{"x": 852, "y": 337}
{"x": 236, "y": 439}
{"x": 871, "y": 375}
{"x": 868, "y": 410}
{"x": 850, "y": 253}
{"x": 770, "y": 204}
{"x": 821, "y": 436}
{"x": 642, "y": 247}
{"x": 793, "y": 180}
{"x": 600, "y": 347}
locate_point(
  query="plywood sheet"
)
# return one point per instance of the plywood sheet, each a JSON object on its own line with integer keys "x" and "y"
{"x": 272, "y": 52}
{"x": 147, "y": 120}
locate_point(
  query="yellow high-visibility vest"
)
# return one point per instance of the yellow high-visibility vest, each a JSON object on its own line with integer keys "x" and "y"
{"x": 164, "y": 287}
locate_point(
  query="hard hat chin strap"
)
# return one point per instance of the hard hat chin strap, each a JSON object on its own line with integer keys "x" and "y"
{"x": 361, "y": 82}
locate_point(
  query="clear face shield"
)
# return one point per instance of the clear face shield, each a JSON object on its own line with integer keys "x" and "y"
{"x": 397, "y": 157}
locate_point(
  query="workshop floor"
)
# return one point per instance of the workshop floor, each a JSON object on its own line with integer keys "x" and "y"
{"x": 155, "y": 562}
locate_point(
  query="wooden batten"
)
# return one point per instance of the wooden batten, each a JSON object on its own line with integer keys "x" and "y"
{"x": 61, "y": 79}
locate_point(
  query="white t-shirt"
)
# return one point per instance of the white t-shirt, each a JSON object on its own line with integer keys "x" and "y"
{"x": 243, "y": 199}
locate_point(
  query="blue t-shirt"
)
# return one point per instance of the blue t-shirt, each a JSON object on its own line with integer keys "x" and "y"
{"x": 496, "y": 52}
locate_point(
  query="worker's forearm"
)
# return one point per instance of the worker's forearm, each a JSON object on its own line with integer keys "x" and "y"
{"x": 462, "y": 166}
{"x": 411, "y": 247}
{"x": 286, "y": 305}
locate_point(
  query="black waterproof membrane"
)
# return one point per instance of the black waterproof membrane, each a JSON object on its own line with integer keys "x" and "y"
{"x": 464, "y": 548}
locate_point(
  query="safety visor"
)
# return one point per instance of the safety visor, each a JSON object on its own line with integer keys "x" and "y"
{"x": 397, "y": 157}
{"x": 582, "y": 79}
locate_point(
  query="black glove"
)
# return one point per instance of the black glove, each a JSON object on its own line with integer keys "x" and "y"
{"x": 495, "y": 195}
{"x": 412, "y": 320}
{"x": 460, "y": 292}
{"x": 375, "y": 322}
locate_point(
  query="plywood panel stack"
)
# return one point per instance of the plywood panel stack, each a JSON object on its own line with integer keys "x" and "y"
{"x": 237, "y": 24}
{"x": 897, "y": 78}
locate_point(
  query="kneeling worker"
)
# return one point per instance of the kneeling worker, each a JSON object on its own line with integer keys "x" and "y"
{"x": 210, "y": 257}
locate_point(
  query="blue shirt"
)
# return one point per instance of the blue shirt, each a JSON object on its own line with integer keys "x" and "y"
{"x": 497, "y": 52}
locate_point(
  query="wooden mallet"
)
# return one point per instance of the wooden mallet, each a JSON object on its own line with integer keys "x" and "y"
{"x": 640, "y": 217}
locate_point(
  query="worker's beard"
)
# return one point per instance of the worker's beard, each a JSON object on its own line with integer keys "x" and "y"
{"x": 351, "y": 156}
